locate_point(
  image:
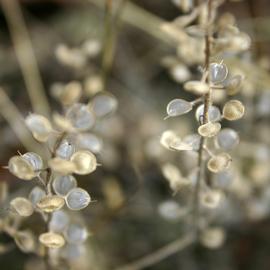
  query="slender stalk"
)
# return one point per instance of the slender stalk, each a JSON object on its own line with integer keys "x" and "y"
{"x": 25, "y": 54}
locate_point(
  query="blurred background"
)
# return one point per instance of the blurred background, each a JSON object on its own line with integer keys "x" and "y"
{"x": 127, "y": 221}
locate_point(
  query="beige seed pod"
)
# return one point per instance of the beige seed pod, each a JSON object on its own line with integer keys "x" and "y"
{"x": 234, "y": 84}
{"x": 93, "y": 85}
{"x": 85, "y": 162}
{"x": 51, "y": 203}
{"x": 71, "y": 93}
{"x": 219, "y": 162}
{"x": 167, "y": 138}
{"x": 25, "y": 241}
{"x": 22, "y": 206}
{"x": 196, "y": 87}
{"x": 209, "y": 129}
{"x": 213, "y": 237}
{"x": 211, "y": 198}
{"x": 52, "y": 240}
{"x": 233, "y": 110}
{"x": 62, "y": 166}
{"x": 21, "y": 168}
{"x": 62, "y": 123}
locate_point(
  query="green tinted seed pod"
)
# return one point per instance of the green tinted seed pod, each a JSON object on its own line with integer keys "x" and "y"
{"x": 219, "y": 162}
{"x": 52, "y": 203}
{"x": 22, "y": 206}
{"x": 209, "y": 129}
{"x": 52, "y": 240}
{"x": 233, "y": 110}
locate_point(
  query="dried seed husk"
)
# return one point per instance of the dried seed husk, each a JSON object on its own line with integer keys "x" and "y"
{"x": 62, "y": 166}
{"x": 22, "y": 206}
{"x": 52, "y": 240}
{"x": 233, "y": 110}
{"x": 51, "y": 203}
{"x": 209, "y": 129}
{"x": 219, "y": 162}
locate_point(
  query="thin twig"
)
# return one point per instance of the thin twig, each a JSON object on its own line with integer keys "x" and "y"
{"x": 25, "y": 54}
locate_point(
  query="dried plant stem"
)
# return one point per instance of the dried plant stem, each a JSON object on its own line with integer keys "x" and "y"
{"x": 161, "y": 253}
{"x": 207, "y": 103}
{"x": 24, "y": 52}
{"x": 11, "y": 114}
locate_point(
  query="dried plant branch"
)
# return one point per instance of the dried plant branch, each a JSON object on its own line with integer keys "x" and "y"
{"x": 24, "y": 52}
{"x": 161, "y": 253}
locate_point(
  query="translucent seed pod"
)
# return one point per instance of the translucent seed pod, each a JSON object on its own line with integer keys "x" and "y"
{"x": 233, "y": 84}
{"x": 227, "y": 139}
{"x": 213, "y": 113}
{"x": 219, "y": 162}
{"x": 63, "y": 184}
{"x": 36, "y": 194}
{"x": 40, "y": 126}
{"x": 77, "y": 199}
{"x": 193, "y": 140}
{"x": 223, "y": 179}
{"x": 179, "y": 145}
{"x": 233, "y": 110}
{"x": 72, "y": 252}
{"x": 65, "y": 149}
{"x": 209, "y": 129}
{"x": 170, "y": 210}
{"x": 196, "y": 87}
{"x": 80, "y": 116}
{"x": 62, "y": 166}
{"x": 76, "y": 233}
{"x": 167, "y": 138}
{"x": 21, "y": 168}
{"x": 85, "y": 162}
{"x": 89, "y": 141}
{"x": 213, "y": 237}
{"x": 218, "y": 72}
{"x": 22, "y": 206}
{"x": 25, "y": 241}
{"x": 59, "y": 221}
{"x": 34, "y": 159}
{"x": 71, "y": 93}
{"x": 91, "y": 48}
{"x": 52, "y": 240}
{"x": 178, "y": 107}
{"x": 103, "y": 104}
{"x": 51, "y": 203}
{"x": 211, "y": 198}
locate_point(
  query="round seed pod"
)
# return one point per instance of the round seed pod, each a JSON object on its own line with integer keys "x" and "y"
{"x": 65, "y": 149}
{"x": 213, "y": 237}
{"x": 51, "y": 203}
{"x": 76, "y": 233}
{"x": 52, "y": 240}
{"x": 22, "y": 206}
{"x": 227, "y": 139}
{"x": 219, "y": 162}
{"x": 167, "y": 138}
{"x": 178, "y": 107}
{"x": 233, "y": 85}
{"x": 21, "y": 168}
{"x": 70, "y": 93}
{"x": 85, "y": 162}
{"x": 89, "y": 141}
{"x": 59, "y": 221}
{"x": 218, "y": 72}
{"x": 62, "y": 166}
{"x": 25, "y": 241}
{"x": 233, "y": 110}
{"x": 93, "y": 85}
{"x": 36, "y": 194}
{"x": 196, "y": 87}
{"x": 40, "y": 126}
{"x": 209, "y": 129}
{"x": 77, "y": 199}
{"x": 63, "y": 184}
{"x": 34, "y": 159}
{"x": 213, "y": 113}
{"x": 211, "y": 198}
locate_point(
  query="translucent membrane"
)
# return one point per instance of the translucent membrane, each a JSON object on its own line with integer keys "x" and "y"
{"x": 213, "y": 113}
{"x": 76, "y": 233}
{"x": 51, "y": 203}
{"x": 65, "y": 149}
{"x": 233, "y": 110}
{"x": 77, "y": 199}
{"x": 63, "y": 184}
{"x": 218, "y": 72}
{"x": 34, "y": 159}
{"x": 59, "y": 221}
{"x": 52, "y": 240}
{"x": 227, "y": 139}
{"x": 223, "y": 179}
{"x": 81, "y": 117}
{"x": 219, "y": 162}
{"x": 89, "y": 142}
{"x": 209, "y": 129}
{"x": 178, "y": 107}
{"x": 103, "y": 104}
{"x": 36, "y": 194}
{"x": 22, "y": 206}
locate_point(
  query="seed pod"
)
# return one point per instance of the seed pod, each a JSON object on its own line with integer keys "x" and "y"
{"x": 22, "y": 206}
{"x": 178, "y": 107}
{"x": 40, "y": 126}
{"x": 85, "y": 162}
{"x": 65, "y": 149}
{"x": 103, "y": 104}
{"x": 233, "y": 110}
{"x": 34, "y": 159}
{"x": 178, "y": 145}
{"x": 63, "y": 184}
{"x": 51, "y": 203}
{"x": 71, "y": 93}
{"x": 211, "y": 198}
{"x": 77, "y": 199}
{"x": 36, "y": 195}
{"x": 218, "y": 72}
{"x": 59, "y": 221}
{"x": 213, "y": 237}
{"x": 209, "y": 129}
{"x": 93, "y": 85}
{"x": 213, "y": 113}
{"x": 219, "y": 162}
{"x": 25, "y": 241}
{"x": 167, "y": 138}
{"x": 76, "y": 233}
{"x": 196, "y": 87}
{"x": 180, "y": 73}
{"x": 227, "y": 139}
{"x": 21, "y": 168}
{"x": 62, "y": 123}
{"x": 193, "y": 140}
{"x": 233, "y": 85}
{"x": 89, "y": 141}
{"x": 171, "y": 210}
{"x": 52, "y": 240}
{"x": 62, "y": 166}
